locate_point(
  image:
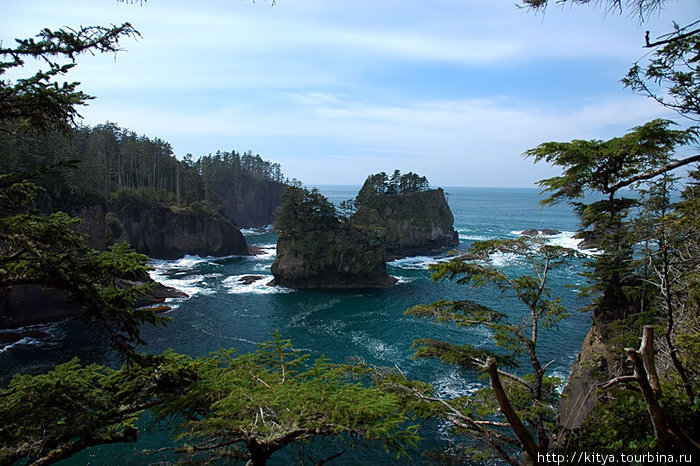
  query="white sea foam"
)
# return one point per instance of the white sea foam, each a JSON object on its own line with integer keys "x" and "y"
{"x": 234, "y": 285}
{"x": 190, "y": 284}
{"x": 565, "y": 239}
{"x": 299, "y": 318}
{"x": 261, "y": 268}
{"x": 470, "y": 237}
{"x": 376, "y": 347}
{"x": 416, "y": 262}
{"x": 26, "y": 341}
{"x": 53, "y": 334}
{"x": 401, "y": 280}
{"x": 184, "y": 263}
{"x": 452, "y": 385}
{"x": 256, "y": 230}
{"x": 266, "y": 252}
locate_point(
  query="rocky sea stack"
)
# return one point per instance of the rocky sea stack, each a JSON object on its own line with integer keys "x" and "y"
{"x": 316, "y": 249}
{"x": 390, "y": 218}
{"x": 417, "y": 220}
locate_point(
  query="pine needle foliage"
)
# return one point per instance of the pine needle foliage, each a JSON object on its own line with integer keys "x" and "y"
{"x": 248, "y": 407}
{"x": 37, "y": 249}
{"x": 48, "y": 417}
{"x": 501, "y": 418}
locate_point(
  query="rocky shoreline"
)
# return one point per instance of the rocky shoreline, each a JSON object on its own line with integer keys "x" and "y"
{"x": 27, "y": 305}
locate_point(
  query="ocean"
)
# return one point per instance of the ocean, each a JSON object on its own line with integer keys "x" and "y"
{"x": 369, "y": 324}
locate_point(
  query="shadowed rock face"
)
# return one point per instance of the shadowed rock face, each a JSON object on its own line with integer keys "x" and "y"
{"x": 163, "y": 233}
{"x": 416, "y": 223}
{"x": 343, "y": 257}
{"x": 253, "y": 203}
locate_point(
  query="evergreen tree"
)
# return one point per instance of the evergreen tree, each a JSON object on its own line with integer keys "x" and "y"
{"x": 305, "y": 210}
{"x": 251, "y": 406}
{"x": 525, "y": 404}
{"x": 43, "y": 250}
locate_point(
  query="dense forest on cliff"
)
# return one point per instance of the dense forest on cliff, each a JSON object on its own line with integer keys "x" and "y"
{"x": 112, "y": 163}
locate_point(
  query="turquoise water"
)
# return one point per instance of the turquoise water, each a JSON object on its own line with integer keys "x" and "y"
{"x": 222, "y": 312}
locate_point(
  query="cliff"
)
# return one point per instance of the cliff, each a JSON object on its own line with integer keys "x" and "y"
{"x": 415, "y": 222}
{"x": 164, "y": 232}
{"x": 344, "y": 257}
{"x": 251, "y": 203}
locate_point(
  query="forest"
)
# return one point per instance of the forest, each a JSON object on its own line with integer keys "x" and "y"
{"x": 108, "y": 162}
{"x": 643, "y": 285}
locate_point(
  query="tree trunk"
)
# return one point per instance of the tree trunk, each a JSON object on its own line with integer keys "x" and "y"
{"x": 526, "y": 440}
{"x": 658, "y": 419}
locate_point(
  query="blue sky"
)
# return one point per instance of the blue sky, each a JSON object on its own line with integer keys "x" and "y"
{"x": 337, "y": 89}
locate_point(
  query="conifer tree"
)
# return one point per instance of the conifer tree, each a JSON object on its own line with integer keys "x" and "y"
{"x": 524, "y": 404}
{"x": 44, "y": 250}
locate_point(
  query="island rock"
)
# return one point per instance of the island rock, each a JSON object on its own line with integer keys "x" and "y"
{"x": 315, "y": 249}
{"x": 415, "y": 222}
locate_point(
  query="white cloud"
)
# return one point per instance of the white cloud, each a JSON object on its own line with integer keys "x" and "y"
{"x": 332, "y": 89}
{"x": 440, "y": 137}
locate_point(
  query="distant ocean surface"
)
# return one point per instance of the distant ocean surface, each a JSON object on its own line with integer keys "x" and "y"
{"x": 222, "y": 312}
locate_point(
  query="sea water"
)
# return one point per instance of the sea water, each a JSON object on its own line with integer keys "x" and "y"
{"x": 223, "y": 312}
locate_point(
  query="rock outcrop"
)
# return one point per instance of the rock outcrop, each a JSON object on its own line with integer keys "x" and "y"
{"x": 315, "y": 249}
{"x": 252, "y": 203}
{"x": 344, "y": 257}
{"x": 415, "y": 222}
{"x": 170, "y": 233}
{"x": 25, "y": 305}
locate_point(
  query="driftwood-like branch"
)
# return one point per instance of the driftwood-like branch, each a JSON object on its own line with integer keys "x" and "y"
{"x": 658, "y": 419}
{"x": 646, "y": 350}
{"x": 649, "y": 44}
{"x": 526, "y": 440}
{"x": 619, "y": 380}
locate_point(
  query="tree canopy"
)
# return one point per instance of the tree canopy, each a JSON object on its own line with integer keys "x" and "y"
{"x": 525, "y": 402}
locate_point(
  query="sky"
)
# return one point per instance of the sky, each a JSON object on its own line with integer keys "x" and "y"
{"x": 334, "y": 90}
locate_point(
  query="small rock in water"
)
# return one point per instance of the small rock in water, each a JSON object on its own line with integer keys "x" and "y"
{"x": 248, "y": 279}
{"x": 12, "y": 337}
{"x": 550, "y": 232}
{"x": 529, "y": 232}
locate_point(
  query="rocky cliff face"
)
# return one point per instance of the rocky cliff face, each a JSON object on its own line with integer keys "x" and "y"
{"x": 92, "y": 224}
{"x": 252, "y": 203}
{"x": 415, "y": 223}
{"x": 340, "y": 258}
{"x": 169, "y": 233}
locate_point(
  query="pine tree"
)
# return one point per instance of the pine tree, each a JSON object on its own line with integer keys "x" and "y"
{"x": 525, "y": 404}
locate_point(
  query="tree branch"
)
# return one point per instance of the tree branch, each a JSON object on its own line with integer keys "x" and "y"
{"x": 526, "y": 440}
{"x": 651, "y": 174}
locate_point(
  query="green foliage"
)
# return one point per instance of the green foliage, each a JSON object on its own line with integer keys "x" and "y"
{"x": 143, "y": 197}
{"x": 223, "y": 407}
{"x": 381, "y": 184}
{"x": 44, "y": 250}
{"x": 606, "y": 167}
{"x": 620, "y": 422}
{"x": 250, "y": 406}
{"x": 672, "y": 77}
{"x": 48, "y": 417}
{"x": 38, "y": 249}
{"x": 303, "y": 211}
{"x": 466, "y": 356}
{"x": 42, "y": 102}
{"x": 642, "y": 8}
{"x": 532, "y": 396}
